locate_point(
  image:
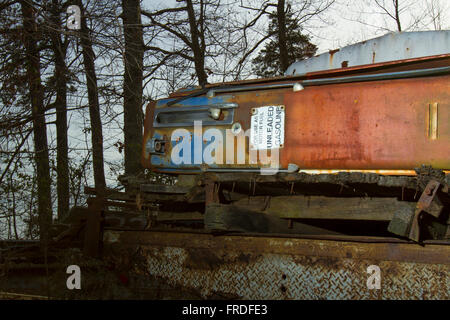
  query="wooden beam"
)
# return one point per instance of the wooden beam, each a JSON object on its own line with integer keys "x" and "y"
{"x": 321, "y": 207}
{"x": 222, "y": 217}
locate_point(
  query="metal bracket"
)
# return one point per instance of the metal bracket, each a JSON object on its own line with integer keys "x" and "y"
{"x": 185, "y": 116}
{"x": 428, "y": 202}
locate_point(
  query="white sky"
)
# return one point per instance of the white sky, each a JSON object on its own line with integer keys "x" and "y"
{"x": 350, "y": 21}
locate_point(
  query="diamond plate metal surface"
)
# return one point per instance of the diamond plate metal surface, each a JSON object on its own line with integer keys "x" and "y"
{"x": 273, "y": 276}
{"x": 270, "y": 268}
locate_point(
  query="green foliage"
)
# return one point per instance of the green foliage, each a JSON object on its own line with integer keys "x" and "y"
{"x": 267, "y": 63}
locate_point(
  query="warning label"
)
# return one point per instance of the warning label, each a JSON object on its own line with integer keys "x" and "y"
{"x": 267, "y": 128}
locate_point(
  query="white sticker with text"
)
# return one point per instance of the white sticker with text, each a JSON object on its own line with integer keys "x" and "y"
{"x": 267, "y": 128}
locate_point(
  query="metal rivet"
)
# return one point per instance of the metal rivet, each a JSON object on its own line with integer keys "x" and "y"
{"x": 236, "y": 128}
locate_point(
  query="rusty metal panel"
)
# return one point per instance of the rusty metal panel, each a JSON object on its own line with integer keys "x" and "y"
{"x": 290, "y": 268}
{"x": 381, "y": 125}
{"x": 378, "y": 125}
{"x": 384, "y": 125}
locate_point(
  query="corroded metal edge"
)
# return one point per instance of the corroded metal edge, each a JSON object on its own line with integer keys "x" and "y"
{"x": 408, "y": 252}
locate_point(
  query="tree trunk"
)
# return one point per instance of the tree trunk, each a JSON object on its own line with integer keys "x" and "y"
{"x": 94, "y": 107}
{"x": 282, "y": 39}
{"x": 199, "y": 55}
{"x": 397, "y": 16}
{"x": 39, "y": 127}
{"x": 62, "y": 161}
{"x": 132, "y": 85}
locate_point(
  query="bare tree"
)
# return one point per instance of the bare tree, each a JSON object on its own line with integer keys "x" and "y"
{"x": 193, "y": 27}
{"x": 30, "y": 39}
{"x": 393, "y": 12}
{"x": 198, "y": 44}
{"x": 399, "y": 15}
{"x": 94, "y": 106}
{"x": 59, "y": 48}
{"x": 437, "y": 12}
{"x": 132, "y": 85}
{"x": 282, "y": 43}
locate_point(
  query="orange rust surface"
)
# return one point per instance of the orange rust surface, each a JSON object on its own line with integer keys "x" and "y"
{"x": 382, "y": 172}
{"x": 370, "y": 125}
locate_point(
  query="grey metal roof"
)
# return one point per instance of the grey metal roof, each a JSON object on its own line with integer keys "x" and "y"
{"x": 390, "y": 47}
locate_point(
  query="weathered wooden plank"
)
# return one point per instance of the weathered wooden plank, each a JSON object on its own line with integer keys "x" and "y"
{"x": 321, "y": 207}
{"x": 141, "y": 219}
{"x": 222, "y": 217}
{"x": 123, "y": 196}
{"x": 337, "y": 179}
{"x": 156, "y": 188}
{"x": 401, "y": 222}
{"x": 173, "y": 216}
